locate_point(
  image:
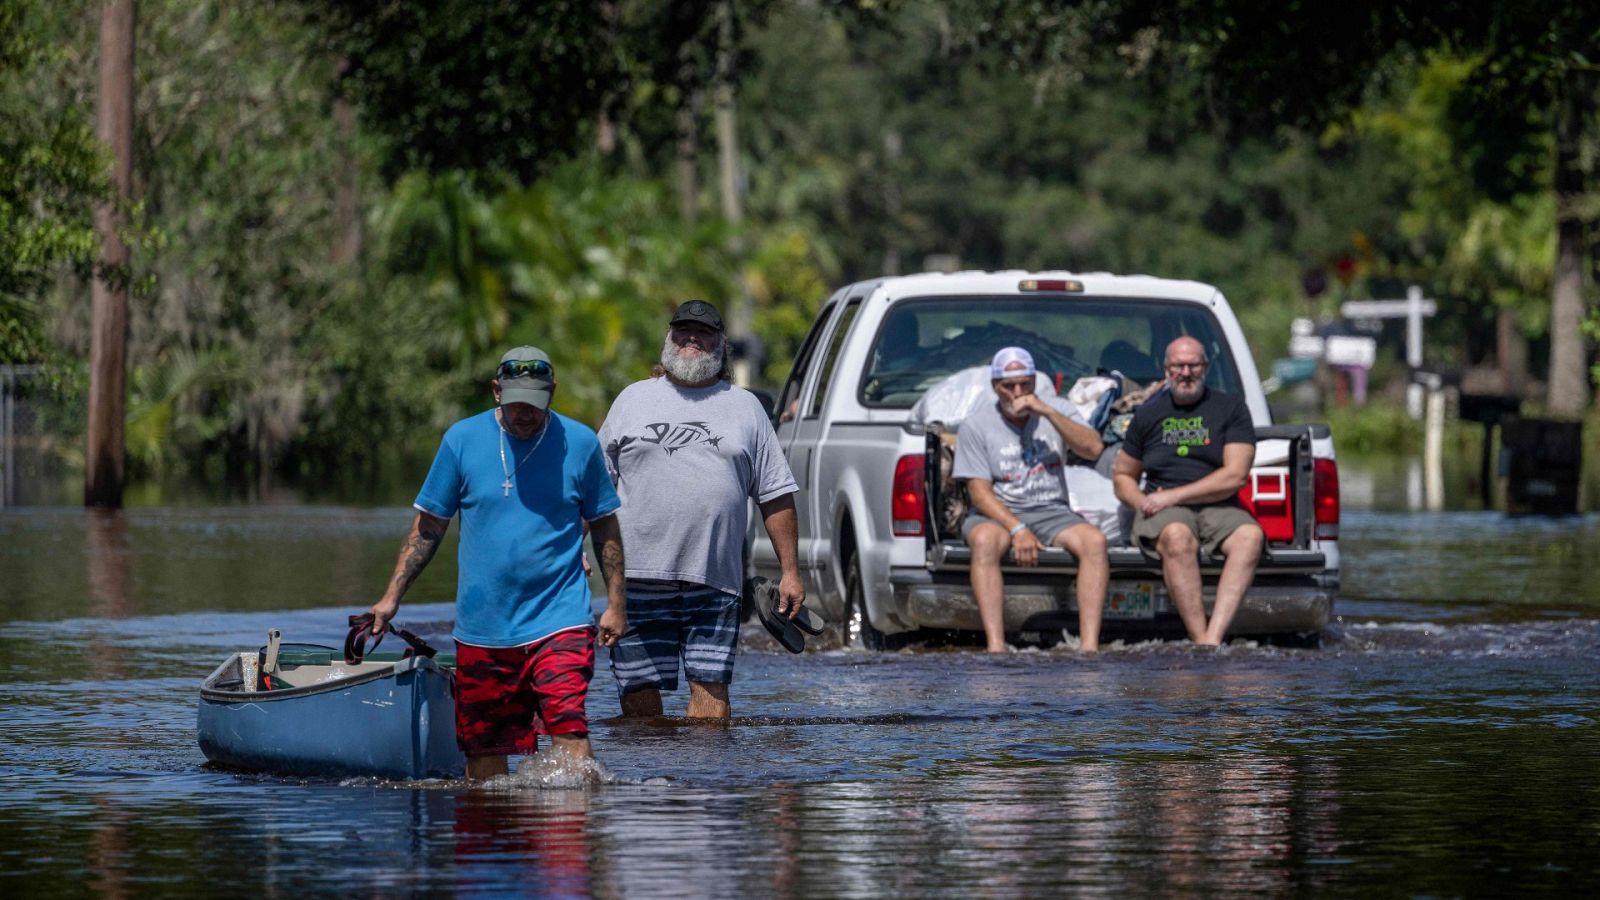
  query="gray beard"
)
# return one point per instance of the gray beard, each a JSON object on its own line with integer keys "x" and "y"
{"x": 1186, "y": 397}
{"x": 696, "y": 370}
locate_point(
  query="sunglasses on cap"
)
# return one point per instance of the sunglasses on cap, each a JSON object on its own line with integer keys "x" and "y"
{"x": 517, "y": 368}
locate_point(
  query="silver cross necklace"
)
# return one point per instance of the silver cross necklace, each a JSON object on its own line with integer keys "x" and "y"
{"x": 505, "y": 486}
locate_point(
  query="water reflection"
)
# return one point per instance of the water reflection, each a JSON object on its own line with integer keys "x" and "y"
{"x": 106, "y": 537}
{"x": 513, "y": 840}
{"x": 1225, "y": 823}
{"x": 1395, "y": 482}
{"x": 1241, "y": 823}
{"x": 106, "y": 558}
{"x": 108, "y": 868}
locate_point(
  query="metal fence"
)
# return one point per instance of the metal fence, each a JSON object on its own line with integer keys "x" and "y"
{"x": 18, "y": 421}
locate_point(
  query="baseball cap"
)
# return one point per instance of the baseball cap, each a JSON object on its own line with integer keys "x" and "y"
{"x": 1010, "y": 356}
{"x": 697, "y": 311}
{"x": 523, "y": 379}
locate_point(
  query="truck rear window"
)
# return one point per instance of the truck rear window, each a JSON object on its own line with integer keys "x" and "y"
{"x": 923, "y": 340}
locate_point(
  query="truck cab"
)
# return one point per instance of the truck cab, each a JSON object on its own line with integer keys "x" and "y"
{"x": 875, "y": 551}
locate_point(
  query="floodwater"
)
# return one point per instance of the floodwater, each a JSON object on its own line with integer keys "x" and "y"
{"x": 1443, "y": 742}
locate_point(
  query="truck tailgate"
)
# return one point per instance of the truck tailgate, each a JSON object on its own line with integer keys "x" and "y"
{"x": 955, "y": 555}
{"x": 1279, "y": 494}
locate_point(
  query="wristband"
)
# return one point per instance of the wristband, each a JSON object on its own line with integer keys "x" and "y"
{"x": 1018, "y": 527}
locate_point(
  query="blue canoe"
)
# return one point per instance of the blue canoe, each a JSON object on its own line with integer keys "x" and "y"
{"x": 383, "y": 718}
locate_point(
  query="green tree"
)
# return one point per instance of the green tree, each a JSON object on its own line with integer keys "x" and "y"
{"x": 585, "y": 264}
{"x": 950, "y": 132}
{"x": 491, "y": 86}
{"x": 1531, "y": 92}
{"x": 51, "y": 172}
{"x": 1482, "y": 240}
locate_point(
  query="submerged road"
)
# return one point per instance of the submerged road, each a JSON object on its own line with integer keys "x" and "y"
{"x": 1445, "y": 740}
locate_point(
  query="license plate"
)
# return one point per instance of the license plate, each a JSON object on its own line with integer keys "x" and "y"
{"x": 1134, "y": 601}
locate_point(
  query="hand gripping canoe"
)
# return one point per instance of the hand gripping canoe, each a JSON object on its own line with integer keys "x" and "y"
{"x": 355, "y": 643}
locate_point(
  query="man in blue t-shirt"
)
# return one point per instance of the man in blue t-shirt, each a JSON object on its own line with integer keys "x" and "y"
{"x": 1194, "y": 447}
{"x": 526, "y": 481}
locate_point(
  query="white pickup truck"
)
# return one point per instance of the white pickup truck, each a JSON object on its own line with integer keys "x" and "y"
{"x": 872, "y": 548}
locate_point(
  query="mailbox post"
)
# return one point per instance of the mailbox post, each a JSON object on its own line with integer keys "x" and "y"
{"x": 1414, "y": 308}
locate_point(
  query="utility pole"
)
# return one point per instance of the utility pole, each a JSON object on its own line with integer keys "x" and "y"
{"x": 108, "y": 339}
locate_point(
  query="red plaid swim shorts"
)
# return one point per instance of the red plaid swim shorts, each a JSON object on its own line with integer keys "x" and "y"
{"x": 507, "y": 696}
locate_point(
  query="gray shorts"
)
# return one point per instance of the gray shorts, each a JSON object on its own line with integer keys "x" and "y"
{"x": 1045, "y": 524}
{"x": 1211, "y": 524}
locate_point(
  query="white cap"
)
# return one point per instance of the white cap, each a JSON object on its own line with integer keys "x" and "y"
{"x": 1010, "y": 357}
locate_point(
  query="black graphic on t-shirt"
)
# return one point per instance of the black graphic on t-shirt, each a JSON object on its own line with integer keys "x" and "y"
{"x": 1180, "y": 445}
{"x": 673, "y": 437}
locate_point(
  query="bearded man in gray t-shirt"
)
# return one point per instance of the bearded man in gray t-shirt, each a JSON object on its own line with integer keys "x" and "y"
{"x": 1012, "y": 454}
{"x": 687, "y": 450}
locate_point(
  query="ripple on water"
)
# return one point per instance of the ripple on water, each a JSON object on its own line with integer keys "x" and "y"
{"x": 1554, "y": 638}
{"x": 1367, "y": 766}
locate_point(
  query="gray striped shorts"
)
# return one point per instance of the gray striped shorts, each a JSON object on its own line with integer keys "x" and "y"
{"x": 672, "y": 619}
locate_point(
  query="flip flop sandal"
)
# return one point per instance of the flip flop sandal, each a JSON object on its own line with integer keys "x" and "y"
{"x": 807, "y": 622}
{"x": 764, "y": 597}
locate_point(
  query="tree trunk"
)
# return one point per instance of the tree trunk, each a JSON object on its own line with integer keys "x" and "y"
{"x": 347, "y": 196}
{"x": 347, "y": 178}
{"x": 728, "y": 155}
{"x": 108, "y": 340}
{"x": 1569, "y": 376}
{"x": 605, "y": 128}
{"x": 688, "y": 156}
{"x": 1511, "y": 351}
{"x": 741, "y": 323}
{"x": 727, "y": 121}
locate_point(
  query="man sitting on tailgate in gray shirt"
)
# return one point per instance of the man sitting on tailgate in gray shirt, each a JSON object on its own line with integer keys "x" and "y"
{"x": 1011, "y": 455}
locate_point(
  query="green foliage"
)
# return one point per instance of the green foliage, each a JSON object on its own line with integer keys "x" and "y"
{"x": 239, "y": 338}
{"x": 239, "y": 160}
{"x": 50, "y": 175}
{"x": 1591, "y": 327}
{"x": 927, "y": 138}
{"x": 1384, "y": 428}
{"x": 1488, "y": 90}
{"x": 1378, "y": 427}
{"x": 1479, "y": 252}
{"x": 1169, "y": 138}
{"x": 582, "y": 264}
{"x": 476, "y": 85}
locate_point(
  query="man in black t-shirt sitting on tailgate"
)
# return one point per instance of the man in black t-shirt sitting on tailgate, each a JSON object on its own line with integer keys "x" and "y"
{"x": 1195, "y": 447}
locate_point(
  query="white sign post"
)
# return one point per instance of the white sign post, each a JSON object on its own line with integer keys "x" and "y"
{"x": 1413, "y": 309}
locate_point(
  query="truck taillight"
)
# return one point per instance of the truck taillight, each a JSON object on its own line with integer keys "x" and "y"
{"x": 1325, "y": 498}
{"x": 910, "y": 496}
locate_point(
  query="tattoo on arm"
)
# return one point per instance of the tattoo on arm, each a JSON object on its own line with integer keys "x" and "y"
{"x": 611, "y": 560}
{"x": 607, "y": 536}
{"x": 420, "y": 546}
